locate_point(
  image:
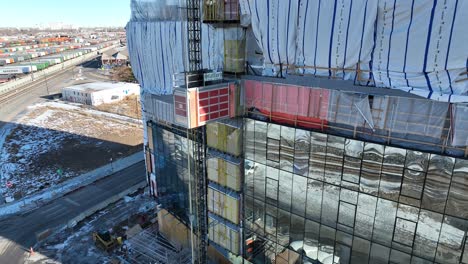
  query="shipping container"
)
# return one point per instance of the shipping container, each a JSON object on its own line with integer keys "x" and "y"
{"x": 19, "y": 69}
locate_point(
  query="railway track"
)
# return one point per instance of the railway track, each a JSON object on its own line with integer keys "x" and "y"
{"x": 10, "y": 95}
{"x": 31, "y": 87}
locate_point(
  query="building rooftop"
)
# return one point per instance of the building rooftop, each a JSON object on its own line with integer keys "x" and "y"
{"x": 100, "y": 86}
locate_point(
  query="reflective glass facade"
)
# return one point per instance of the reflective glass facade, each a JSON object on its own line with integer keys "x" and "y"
{"x": 171, "y": 167}
{"x": 317, "y": 198}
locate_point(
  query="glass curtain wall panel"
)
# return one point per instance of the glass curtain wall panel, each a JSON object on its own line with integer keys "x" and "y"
{"x": 457, "y": 202}
{"x": 437, "y": 182}
{"x": 352, "y": 201}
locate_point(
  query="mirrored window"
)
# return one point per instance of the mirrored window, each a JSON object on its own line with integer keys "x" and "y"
{"x": 390, "y": 185}
{"x": 249, "y": 168}
{"x": 371, "y": 168}
{"x": 249, "y": 139}
{"x": 271, "y": 191}
{"x": 297, "y": 228}
{"x": 311, "y": 238}
{"x": 427, "y": 234}
{"x": 451, "y": 240}
{"x": 330, "y": 201}
{"x": 318, "y": 150}
{"x": 351, "y": 169}
{"x": 326, "y": 242}
{"x": 287, "y": 148}
{"x": 285, "y": 190}
{"x": 299, "y": 194}
{"x": 394, "y": 160}
{"x": 273, "y": 147}
{"x": 342, "y": 253}
{"x": 404, "y": 232}
{"x": 413, "y": 183}
{"x": 301, "y": 152}
{"x": 397, "y": 256}
{"x": 416, "y": 260}
{"x": 259, "y": 181}
{"x": 347, "y": 213}
{"x": 416, "y": 160}
{"x": 437, "y": 182}
{"x": 384, "y": 221}
{"x": 379, "y": 254}
{"x": 274, "y": 131}
{"x": 334, "y": 159}
{"x": 458, "y": 195}
{"x": 360, "y": 251}
{"x": 271, "y": 221}
{"x": 354, "y": 148}
{"x": 260, "y": 141}
{"x": 314, "y": 199}
{"x": 283, "y": 233}
{"x": 259, "y": 215}
{"x": 365, "y": 215}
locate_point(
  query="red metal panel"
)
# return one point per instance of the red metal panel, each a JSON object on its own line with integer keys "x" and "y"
{"x": 203, "y": 95}
{"x": 224, "y": 113}
{"x": 266, "y": 96}
{"x": 214, "y": 115}
{"x": 213, "y": 100}
{"x": 292, "y": 95}
{"x": 214, "y": 108}
{"x": 224, "y": 99}
{"x": 289, "y": 104}
{"x": 205, "y": 102}
{"x": 223, "y": 91}
{"x": 224, "y": 106}
{"x": 214, "y": 93}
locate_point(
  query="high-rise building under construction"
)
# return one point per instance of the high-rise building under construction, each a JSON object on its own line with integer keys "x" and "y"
{"x": 306, "y": 131}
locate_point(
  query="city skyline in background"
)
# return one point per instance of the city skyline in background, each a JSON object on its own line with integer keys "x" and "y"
{"x": 66, "y": 14}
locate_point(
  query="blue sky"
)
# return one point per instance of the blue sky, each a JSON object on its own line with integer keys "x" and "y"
{"x": 26, "y": 13}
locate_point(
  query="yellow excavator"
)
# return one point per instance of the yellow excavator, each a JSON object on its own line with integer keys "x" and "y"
{"x": 106, "y": 241}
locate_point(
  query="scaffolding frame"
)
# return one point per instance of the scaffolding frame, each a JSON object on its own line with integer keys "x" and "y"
{"x": 149, "y": 246}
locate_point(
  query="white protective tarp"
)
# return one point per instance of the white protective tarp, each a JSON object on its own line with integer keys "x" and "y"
{"x": 158, "y": 49}
{"x": 158, "y": 10}
{"x": 460, "y": 125}
{"x": 412, "y": 45}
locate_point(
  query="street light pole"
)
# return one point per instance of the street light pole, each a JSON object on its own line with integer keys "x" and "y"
{"x": 47, "y": 85}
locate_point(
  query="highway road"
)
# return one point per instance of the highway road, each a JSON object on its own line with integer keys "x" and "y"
{"x": 18, "y": 233}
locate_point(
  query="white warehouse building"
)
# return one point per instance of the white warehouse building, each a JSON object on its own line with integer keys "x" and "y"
{"x": 99, "y": 92}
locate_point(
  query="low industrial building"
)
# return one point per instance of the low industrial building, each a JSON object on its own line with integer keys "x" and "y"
{"x": 115, "y": 57}
{"x": 99, "y": 92}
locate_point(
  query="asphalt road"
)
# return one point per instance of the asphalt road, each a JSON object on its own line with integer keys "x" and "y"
{"x": 18, "y": 233}
{"x": 17, "y": 106}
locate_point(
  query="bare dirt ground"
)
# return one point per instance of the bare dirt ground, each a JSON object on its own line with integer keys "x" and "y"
{"x": 129, "y": 106}
{"x": 55, "y": 141}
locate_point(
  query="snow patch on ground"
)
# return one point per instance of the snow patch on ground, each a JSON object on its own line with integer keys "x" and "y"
{"x": 68, "y": 246}
{"x": 57, "y": 141}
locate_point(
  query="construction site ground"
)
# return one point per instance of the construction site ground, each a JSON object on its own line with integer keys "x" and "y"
{"x": 55, "y": 141}
{"x": 76, "y": 245}
{"x": 129, "y": 106}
